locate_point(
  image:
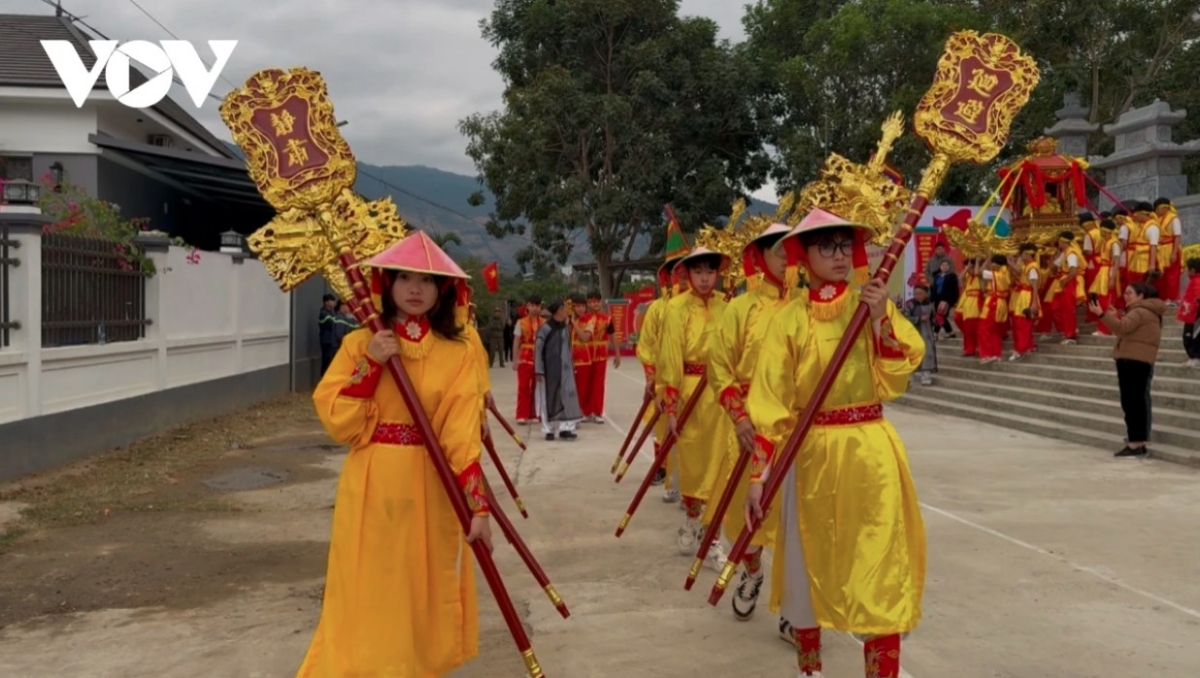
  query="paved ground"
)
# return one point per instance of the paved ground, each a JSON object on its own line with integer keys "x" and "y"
{"x": 1045, "y": 559}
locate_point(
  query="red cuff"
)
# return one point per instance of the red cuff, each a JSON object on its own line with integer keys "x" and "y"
{"x": 670, "y": 400}
{"x": 887, "y": 346}
{"x": 471, "y": 482}
{"x": 734, "y": 404}
{"x": 648, "y": 368}
{"x": 365, "y": 379}
{"x": 760, "y": 462}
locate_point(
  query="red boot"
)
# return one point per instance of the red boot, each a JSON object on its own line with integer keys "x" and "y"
{"x": 882, "y": 657}
{"x": 808, "y": 648}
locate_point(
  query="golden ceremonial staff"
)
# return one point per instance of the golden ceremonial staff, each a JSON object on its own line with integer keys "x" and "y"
{"x": 982, "y": 82}
{"x": 284, "y": 122}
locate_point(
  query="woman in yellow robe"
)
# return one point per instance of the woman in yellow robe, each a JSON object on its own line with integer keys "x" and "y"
{"x": 702, "y": 443}
{"x": 733, "y": 351}
{"x": 849, "y": 506}
{"x": 400, "y": 596}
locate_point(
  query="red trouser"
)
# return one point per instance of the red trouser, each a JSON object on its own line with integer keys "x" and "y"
{"x": 1064, "y": 310}
{"x": 1089, "y": 277}
{"x": 1106, "y": 302}
{"x": 970, "y": 332}
{"x": 597, "y": 377}
{"x": 583, "y": 386}
{"x": 526, "y": 379}
{"x": 991, "y": 337}
{"x": 1022, "y": 334}
{"x": 1169, "y": 282}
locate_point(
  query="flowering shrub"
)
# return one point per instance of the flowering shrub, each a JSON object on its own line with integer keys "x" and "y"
{"x": 76, "y": 212}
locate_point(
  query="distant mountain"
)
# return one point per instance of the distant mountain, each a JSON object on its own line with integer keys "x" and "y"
{"x": 435, "y": 201}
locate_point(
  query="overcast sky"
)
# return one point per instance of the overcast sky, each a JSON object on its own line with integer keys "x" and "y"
{"x": 401, "y": 72}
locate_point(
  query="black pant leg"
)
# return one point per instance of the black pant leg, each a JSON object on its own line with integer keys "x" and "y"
{"x": 1133, "y": 379}
{"x": 1191, "y": 341}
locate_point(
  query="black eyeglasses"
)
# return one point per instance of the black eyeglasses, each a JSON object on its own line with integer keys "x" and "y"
{"x": 828, "y": 247}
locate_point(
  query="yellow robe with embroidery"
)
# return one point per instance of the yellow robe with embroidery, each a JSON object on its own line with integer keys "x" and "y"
{"x": 733, "y": 351}
{"x": 703, "y": 439}
{"x": 859, "y": 519}
{"x": 400, "y": 597}
{"x": 648, "y": 344}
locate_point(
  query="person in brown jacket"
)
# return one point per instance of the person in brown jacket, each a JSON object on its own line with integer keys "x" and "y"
{"x": 1138, "y": 334}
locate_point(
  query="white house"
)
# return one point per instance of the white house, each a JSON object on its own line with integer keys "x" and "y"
{"x": 157, "y": 163}
{"x": 94, "y": 355}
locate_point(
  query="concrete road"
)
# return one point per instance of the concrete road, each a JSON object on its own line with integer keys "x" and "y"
{"x": 1045, "y": 560}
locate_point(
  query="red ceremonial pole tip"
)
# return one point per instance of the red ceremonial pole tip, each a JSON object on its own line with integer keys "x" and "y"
{"x": 687, "y": 586}
{"x": 562, "y": 609}
{"x": 524, "y": 514}
{"x": 715, "y": 596}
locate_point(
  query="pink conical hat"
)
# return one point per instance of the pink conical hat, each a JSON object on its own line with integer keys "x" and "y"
{"x": 818, "y": 219}
{"x": 417, "y": 253}
{"x": 774, "y": 229}
{"x": 700, "y": 251}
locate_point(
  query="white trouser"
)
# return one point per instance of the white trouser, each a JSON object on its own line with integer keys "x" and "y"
{"x": 548, "y": 427}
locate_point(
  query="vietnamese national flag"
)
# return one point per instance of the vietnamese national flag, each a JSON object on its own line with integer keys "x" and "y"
{"x": 491, "y": 277}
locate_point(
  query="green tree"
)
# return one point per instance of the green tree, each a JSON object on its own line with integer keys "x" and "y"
{"x": 834, "y": 69}
{"x": 613, "y": 108}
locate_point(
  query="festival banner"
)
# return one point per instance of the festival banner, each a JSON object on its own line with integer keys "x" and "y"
{"x": 618, "y": 310}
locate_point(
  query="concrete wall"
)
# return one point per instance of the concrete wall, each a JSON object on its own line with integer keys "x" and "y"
{"x": 219, "y": 340}
{"x": 30, "y": 126}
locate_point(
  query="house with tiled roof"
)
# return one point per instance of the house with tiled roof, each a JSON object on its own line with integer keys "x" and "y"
{"x": 157, "y": 163}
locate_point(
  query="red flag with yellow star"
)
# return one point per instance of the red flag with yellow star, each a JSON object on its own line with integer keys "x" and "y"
{"x": 491, "y": 276}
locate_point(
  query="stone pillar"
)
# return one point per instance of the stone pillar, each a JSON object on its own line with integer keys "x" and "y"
{"x": 1072, "y": 129}
{"x": 1146, "y": 164}
{"x": 157, "y": 247}
{"x": 25, "y": 226}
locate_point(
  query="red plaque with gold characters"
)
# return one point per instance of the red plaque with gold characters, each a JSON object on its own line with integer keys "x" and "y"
{"x": 982, "y": 82}
{"x": 284, "y": 122}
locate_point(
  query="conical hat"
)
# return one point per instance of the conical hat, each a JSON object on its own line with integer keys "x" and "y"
{"x": 774, "y": 229}
{"x": 417, "y": 253}
{"x": 702, "y": 251}
{"x": 818, "y": 219}
{"x": 752, "y": 256}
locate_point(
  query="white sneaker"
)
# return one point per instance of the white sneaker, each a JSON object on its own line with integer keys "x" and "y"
{"x": 927, "y": 379}
{"x": 671, "y": 496}
{"x": 716, "y": 558}
{"x": 745, "y": 599}
{"x": 688, "y": 537}
{"x": 786, "y": 633}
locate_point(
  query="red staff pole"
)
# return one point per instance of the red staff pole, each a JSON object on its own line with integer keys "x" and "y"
{"x": 514, "y": 538}
{"x": 646, "y": 400}
{"x": 507, "y": 426}
{"x": 490, "y": 445}
{"x": 661, "y": 456}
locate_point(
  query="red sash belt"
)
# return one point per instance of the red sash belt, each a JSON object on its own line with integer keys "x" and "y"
{"x": 693, "y": 368}
{"x": 388, "y": 433}
{"x": 844, "y": 416}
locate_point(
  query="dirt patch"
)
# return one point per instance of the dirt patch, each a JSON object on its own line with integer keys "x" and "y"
{"x": 154, "y": 525}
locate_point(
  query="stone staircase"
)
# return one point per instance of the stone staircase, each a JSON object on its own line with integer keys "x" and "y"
{"x": 1069, "y": 392}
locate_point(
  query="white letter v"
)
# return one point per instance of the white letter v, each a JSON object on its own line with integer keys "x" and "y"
{"x": 78, "y": 80}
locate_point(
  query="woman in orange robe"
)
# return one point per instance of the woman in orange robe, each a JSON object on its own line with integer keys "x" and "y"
{"x": 400, "y": 586}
